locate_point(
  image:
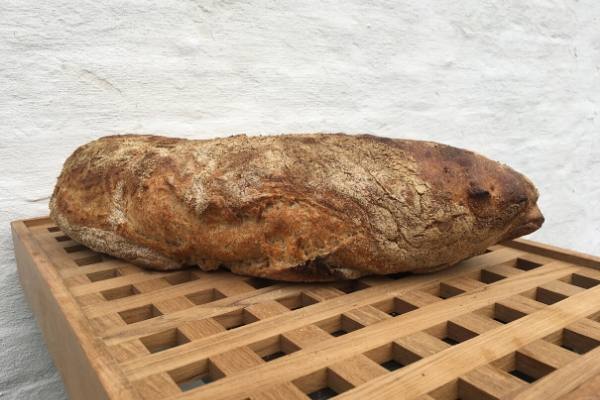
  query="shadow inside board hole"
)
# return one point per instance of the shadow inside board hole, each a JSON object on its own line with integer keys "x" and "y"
{"x": 259, "y": 283}
{"x": 75, "y": 248}
{"x": 450, "y": 341}
{"x": 392, "y": 365}
{"x": 93, "y": 259}
{"x": 164, "y": 340}
{"x": 522, "y": 376}
{"x": 180, "y": 277}
{"x": 351, "y": 286}
{"x": 526, "y": 265}
{"x": 138, "y": 314}
{"x": 273, "y": 356}
{"x": 322, "y": 394}
{"x": 338, "y": 333}
{"x": 194, "y": 382}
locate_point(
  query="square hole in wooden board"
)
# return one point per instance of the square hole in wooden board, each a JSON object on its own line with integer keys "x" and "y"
{"x": 523, "y": 367}
{"x": 450, "y": 333}
{"x": 339, "y": 325}
{"x": 402, "y": 307}
{"x": 296, "y": 301}
{"x": 179, "y": 277}
{"x": 273, "y": 347}
{"x": 529, "y": 368}
{"x": 119, "y": 292}
{"x": 501, "y": 271}
{"x": 54, "y": 229}
{"x": 394, "y": 306}
{"x": 194, "y": 375}
{"x": 75, "y": 248}
{"x": 104, "y": 275}
{"x": 583, "y": 281}
{"x": 332, "y": 325}
{"x": 93, "y": 259}
{"x": 62, "y": 238}
{"x": 578, "y": 342}
{"x": 513, "y": 308}
{"x": 526, "y": 265}
{"x": 489, "y": 312}
{"x": 441, "y": 291}
{"x": 259, "y": 283}
{"x": 351, "y": 286}
{"x": 164, "y": 340}
{"x": 235, "y": 319}
{"x": 205, "y": 296}
{"x": 321, "y": 384}
{"x": 138, "y": 314}
{"x": 457, "y": 286}
{"x": 505, "y": 314}
{"x": 550, "y": 294}
{"x": 490, "y": 276}
{"x": 386, "y": 356}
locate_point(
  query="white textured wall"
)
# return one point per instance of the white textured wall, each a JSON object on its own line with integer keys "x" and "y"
{"x": 518, "y": 81}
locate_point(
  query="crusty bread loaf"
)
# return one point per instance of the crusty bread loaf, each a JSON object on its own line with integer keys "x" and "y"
{"x": 302, "y": 207}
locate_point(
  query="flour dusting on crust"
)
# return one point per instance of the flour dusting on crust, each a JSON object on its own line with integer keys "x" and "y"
{"x": 301, "y": 207}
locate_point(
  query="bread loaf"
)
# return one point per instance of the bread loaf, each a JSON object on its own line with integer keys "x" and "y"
{"x": 301, "y": 207}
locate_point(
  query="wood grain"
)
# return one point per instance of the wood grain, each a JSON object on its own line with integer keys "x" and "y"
{"x": 521, "y": 321}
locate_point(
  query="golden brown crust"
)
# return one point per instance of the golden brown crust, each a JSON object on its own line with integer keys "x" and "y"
{"x": 303, "y": 207}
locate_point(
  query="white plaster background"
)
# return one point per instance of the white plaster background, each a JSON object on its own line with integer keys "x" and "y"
{"x": 518, "y": 81}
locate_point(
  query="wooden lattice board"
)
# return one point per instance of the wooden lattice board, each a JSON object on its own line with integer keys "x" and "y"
{"x": 521, "y": 321}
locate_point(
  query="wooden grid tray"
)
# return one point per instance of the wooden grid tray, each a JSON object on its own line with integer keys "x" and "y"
{"x": 519, "y": 322}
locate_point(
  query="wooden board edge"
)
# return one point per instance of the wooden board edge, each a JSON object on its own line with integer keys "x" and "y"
{"x": 85, "y": 368}
{"x": 558, "y": 253}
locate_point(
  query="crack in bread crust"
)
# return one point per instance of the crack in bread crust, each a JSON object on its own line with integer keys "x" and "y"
{"x": 300, "y": 207}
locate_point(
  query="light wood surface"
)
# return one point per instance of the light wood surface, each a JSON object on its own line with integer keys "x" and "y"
{"x": 521, "y": 321}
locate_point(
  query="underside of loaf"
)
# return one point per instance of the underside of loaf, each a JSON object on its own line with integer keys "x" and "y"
{"x": 298, "y": 207}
